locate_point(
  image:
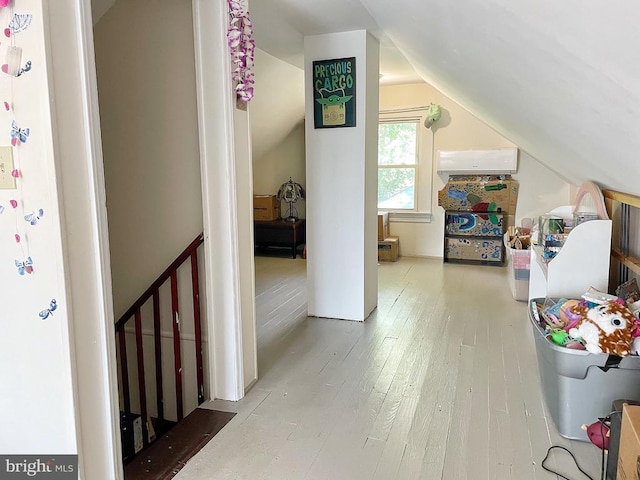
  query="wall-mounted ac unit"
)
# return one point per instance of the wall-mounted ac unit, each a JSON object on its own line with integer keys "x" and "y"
{"x": 504, "y": 160}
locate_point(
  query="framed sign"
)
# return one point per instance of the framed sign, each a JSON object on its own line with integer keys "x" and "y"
{"x": 334, "y": 93}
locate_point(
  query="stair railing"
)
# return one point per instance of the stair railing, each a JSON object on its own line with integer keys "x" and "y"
{"x": 134, "y": 312}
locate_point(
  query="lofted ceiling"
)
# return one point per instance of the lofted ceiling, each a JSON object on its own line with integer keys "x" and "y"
{"x": 559, "y": 79}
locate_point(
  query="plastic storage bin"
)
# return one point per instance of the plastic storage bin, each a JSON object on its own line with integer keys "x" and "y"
{"x": 519, "y": 262}
{"x": 575, "y": 385}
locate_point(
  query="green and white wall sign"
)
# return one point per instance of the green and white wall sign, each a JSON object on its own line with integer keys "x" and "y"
{"x": 334, "y": 93}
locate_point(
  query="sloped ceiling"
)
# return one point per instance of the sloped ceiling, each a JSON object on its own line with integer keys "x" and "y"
{"x": 559, "y": 79}
{"x": 99, "y": 8}
{"x": 278, "y": 105}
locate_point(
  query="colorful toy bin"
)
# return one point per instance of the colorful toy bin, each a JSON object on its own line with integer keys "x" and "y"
{"x": 578, "y": 386}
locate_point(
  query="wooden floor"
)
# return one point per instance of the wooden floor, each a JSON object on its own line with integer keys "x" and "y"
{"x": 441, "y": 382}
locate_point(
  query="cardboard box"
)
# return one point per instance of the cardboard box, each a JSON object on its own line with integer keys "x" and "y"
{"x": 389, "y": 249}
{"x": 383, "y": 225}
{"x": 472, "y": 224}
{"x": 490, "y": 193}
{"x": 629, "y": 453}
{"x": 266, "y": 207}
{"x": 474, "y": 250}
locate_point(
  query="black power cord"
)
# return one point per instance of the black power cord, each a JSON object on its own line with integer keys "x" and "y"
{"x": 574, "y": 461}
{"x": 602, "y": 471}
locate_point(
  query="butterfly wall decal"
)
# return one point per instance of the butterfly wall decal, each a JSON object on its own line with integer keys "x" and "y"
{"x": 18, "y": 135}
{"x": 44, "y": 314}
{"x": 25, "y": 267}
{"x": 33, "y": 217}
{"x": 18, "y": 23}
{"x": 25, "y": 69}
{"x": 1, "y": 209}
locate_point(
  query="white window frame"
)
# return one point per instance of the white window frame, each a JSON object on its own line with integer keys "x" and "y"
{"x": 421, "y": 212}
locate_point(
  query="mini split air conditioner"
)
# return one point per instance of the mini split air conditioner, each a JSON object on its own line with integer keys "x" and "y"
{"x": 504, "y": 160}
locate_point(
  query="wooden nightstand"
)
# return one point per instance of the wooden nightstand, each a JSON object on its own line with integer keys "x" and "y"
{"x": 279, "y": 233}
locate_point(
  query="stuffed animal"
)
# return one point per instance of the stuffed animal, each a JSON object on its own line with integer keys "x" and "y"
{"x": 606, "y": 328}
{"x": 599, "y": 433}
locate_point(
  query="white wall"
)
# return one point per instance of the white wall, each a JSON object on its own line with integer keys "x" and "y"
{"x": 341, "y": 178}
{"x": 146, "y": 84}
{"x": 35, "y": 354}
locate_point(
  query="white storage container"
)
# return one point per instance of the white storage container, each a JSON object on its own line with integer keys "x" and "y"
{"x": 519, "y": 262}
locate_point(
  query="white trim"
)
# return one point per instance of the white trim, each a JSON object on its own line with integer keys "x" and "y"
{"x": 403, "y": 110}
{"x": 215, "y": 126}
{"x": 421, "y": 213}
{"x": 82, "y": 199}
{"x": 410, "y": 217}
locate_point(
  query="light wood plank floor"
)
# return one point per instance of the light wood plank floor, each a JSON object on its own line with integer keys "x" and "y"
{"x": 441, "y": 382}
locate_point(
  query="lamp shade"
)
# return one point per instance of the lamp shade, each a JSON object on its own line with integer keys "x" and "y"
{"x": 291, "y": 192}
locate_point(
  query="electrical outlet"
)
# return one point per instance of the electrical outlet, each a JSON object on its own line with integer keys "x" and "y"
{"x": 7, "y": 181}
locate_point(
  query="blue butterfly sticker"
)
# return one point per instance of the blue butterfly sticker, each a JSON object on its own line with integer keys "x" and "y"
{"x": 18, "y": 135}
{"x": 21, "y": 71}
{"x": 25, "y": 267}
{"x": 33, "y": 217}
{"x": 19, "y": 22}
{"x": 1, "y": 209}
{"x": 44, "y": 314}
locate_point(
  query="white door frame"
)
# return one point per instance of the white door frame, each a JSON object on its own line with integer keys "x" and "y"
{"x": 77, "y": 143}
{"x": 219, "y": 199}
{"x": 82, "y": 205}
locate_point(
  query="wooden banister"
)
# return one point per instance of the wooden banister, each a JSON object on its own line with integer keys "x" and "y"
{"x": 135, "y": 312}
{"x": 161, "y": 279}
{"x": 621, "y": 226}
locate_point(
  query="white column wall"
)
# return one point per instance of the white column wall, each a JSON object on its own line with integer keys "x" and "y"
{"x": 341, "y": 165}
{"x": 226, "y": 164}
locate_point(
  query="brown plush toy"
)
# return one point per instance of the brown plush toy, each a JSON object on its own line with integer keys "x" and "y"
{"x": 605, "y": 328}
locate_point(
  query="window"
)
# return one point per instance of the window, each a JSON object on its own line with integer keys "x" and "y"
{"x": 405, "y": 149}
{"x": 397, "y": 162}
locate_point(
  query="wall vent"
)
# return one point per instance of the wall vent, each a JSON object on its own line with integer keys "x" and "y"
{"x": 504, "y": 160}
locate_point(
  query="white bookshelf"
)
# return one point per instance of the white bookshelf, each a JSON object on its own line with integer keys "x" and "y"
{"x": 582, "y": 262}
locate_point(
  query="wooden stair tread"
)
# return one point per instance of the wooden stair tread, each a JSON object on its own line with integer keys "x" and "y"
{"x": 167, "y": 455}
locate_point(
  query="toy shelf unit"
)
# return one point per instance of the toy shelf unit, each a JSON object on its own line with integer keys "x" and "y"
{"x": 581, "y": 262}
{"x": 474, "y": 237}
